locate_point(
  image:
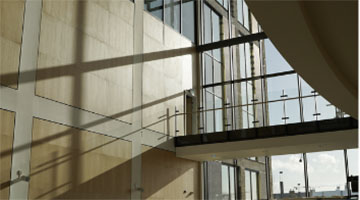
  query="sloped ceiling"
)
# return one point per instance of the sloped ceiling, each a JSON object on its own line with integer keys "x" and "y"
{"x": 319, "y": 39}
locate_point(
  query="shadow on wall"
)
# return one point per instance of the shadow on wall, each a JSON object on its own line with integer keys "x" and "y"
{"x": 106, "y": 168}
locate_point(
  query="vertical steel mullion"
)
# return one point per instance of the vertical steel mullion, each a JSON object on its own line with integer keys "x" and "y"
{"x": 202, "y": 61}
{"x": 302, "y": 118}
{"x": 181, "y": 17}
{"x": 267, "y": 176}
{"x": 306, "y": 176}
{"x": 347, "y": 172}
{"x": 212, "y": 67}
{"x": 231, "y": 67}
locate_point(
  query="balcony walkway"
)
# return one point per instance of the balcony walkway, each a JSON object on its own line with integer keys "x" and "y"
{"x": 313, "y": 136}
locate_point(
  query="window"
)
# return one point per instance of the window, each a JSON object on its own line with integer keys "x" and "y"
{"x": 224, "y": 3}
{"x": 180, "y": 15}
{"x": 172, "y": 14}
{"x": 212, "y": 73}
{"x": 228, "y": 182}
{"x": 154, "y": 7}
{"x": 327, "y": 173}
{"x": 251, "y": 185}
{"x": 188, "y": 19}
{"x": 288, "y": 169}
{"x": 243, "y": 13}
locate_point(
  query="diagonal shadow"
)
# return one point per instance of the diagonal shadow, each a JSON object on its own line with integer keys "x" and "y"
{"x": 91, "y": 124}
{"x": 83, "y": 67}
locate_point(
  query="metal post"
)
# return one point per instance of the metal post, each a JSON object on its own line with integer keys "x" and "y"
{"x": 307, "y": 194}
{"x": 347, "y": 173}
{"x": 267, "y": 176}
{"x": 168, "y": 122}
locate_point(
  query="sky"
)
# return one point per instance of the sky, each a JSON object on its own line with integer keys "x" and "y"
{"x": 326, "y": 170}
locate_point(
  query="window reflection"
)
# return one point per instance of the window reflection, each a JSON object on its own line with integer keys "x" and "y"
{"x": 188, "y": 19}
{"x": 155, "y": 7}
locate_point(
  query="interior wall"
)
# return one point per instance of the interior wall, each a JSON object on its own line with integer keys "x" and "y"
{"x": 7, "y": 120}
{"x": 75, "y": 34}
{"x": 11, "y": 20}
{"x": 165, "y": 80}
{"x": 71, "y": 163}
{"x": 164, "y": 176}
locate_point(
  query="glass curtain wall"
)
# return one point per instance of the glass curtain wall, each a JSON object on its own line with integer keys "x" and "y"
{"x": 251, "y": 185}
{"x": 228, "y": 180}
{"x": 243, "y": 13}
{"x": 178, "y": 14}
{"x": 212, "y": 73}
{"x": 326, "y": 172}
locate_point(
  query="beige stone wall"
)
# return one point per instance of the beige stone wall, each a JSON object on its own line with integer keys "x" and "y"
{"x": 68, "y": 163}
{"x": 11, "y": 20}
{"x": 165, "y": 80}
{"x": 174, "y": 178}
{"x": 7, "y": 120}
{"x": 73, "y": 33}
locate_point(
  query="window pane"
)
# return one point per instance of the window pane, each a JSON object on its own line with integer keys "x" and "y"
{"x": 326, "y": 110}
{"x": 217, "y": 72}
{"x": 240, "y": 11}
{"x": 306, "y": 89}
{"x": 308, "y": 108}
{"x": 274, "y": 61}
{"x": 290, "y": 170}
{"x": 207, "y": 24}
{"x": 246, "y": 15}
{"x": 277, "y": 86}
{"x": 225, "y": 182}
{"x": 244, "y": 117}
{"x": 248, "y": 60}
{"x": 188, "y": 19}
{"x": 172, "y": 13}
{"x": 209, "y": 114}
{"x": 254, "y": 190}
{"x": 216, "y": 26}
{"x": 208, "y": 70}
{"x": 218, "y": 120}
{"x": 353, "y": 161}
{"x": 155, "y": 7}
{"x": 232, "y": 183}
{"x": 247, "y": 185}
{"x": 276, "y": 113}
{"x": 293, "y": 111}
{"x": 326, "y": 173}
{"x": 242, "y": 61}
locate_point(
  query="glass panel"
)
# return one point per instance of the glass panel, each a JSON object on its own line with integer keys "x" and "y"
{"x": 242, "y": 61}
{"x": 209, "y": 114}
{"x": 243, "y": 93}
{"x": 248, "y": 60}
{"x": 208, "y": 70}
{"x": 240, "y": 11}
{"x": 172, "y": 13}
{"x": 308, "y": 108}
{"x": 216, "y": 26}
{"x": 326, "y": 174}
{"x": 218, "y": 91}
{"x": 226, "y": 4}
{"x": 251, "y": 118}
{"x": 246, "y": 15}
{"x": 326, "y": 110}
{"x": 275, "y": 113}
{"x": 188, "y": 19}
{"x": 277, "y": 86}
{"x": 244, "y": 117}
{"x": 247, "y": 185}
{"x": 288, "y": 169}
{"x": 254, "y": 187}
{"x": 217, "y": 72}
{"x": 249, "y": 92}
{"x": 353, "y": 161}
{"x": 232, "y": 183}
{"x": 306, "y": 90}
{"x": 218, "y": 120}
{"x": 155, "y": 7}
{"x": 207, "y": 26}
{"x": 225, "y": 182}
{"x": 293, "y": 111}
{"x": 274, "y": 61}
